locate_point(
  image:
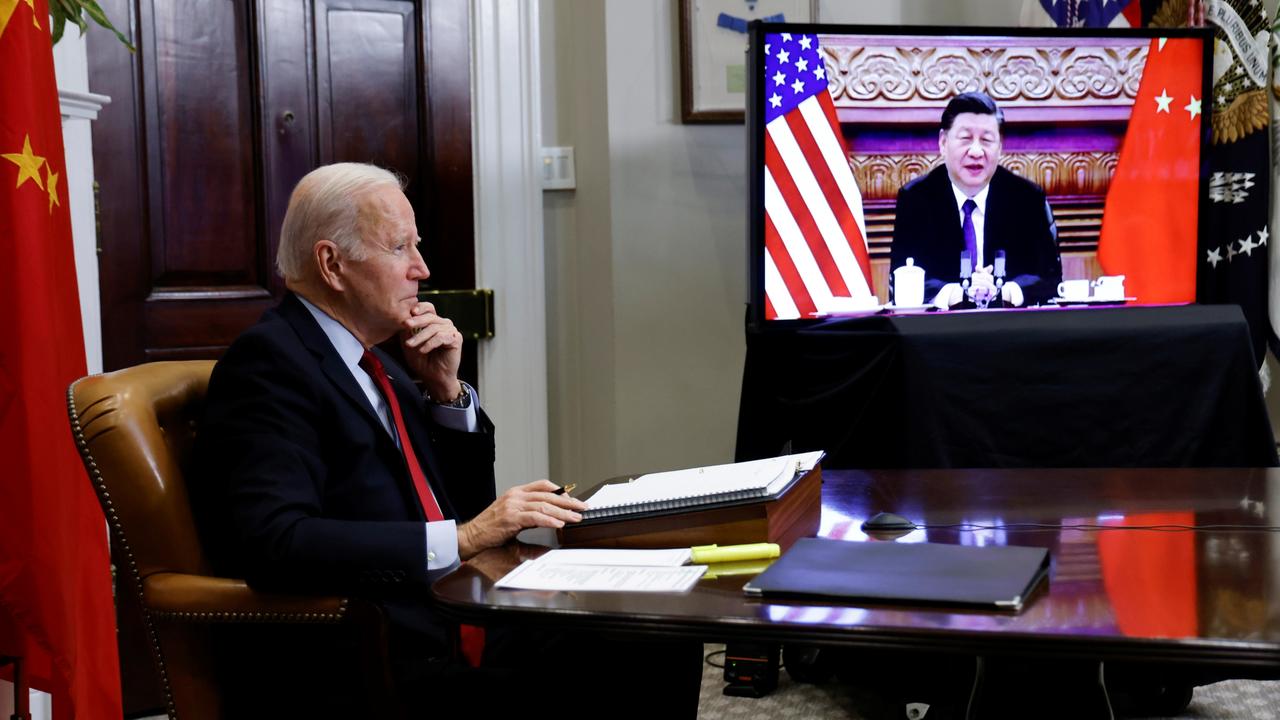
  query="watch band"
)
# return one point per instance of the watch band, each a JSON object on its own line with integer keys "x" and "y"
{"x": 462, "y": 402}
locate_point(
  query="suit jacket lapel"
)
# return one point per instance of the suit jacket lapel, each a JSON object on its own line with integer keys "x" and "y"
{"x": 997, "y": 214}
{"x": 953, "y": 233}
{"x": 336, "y": 370}
{"x": 318, "y": 343}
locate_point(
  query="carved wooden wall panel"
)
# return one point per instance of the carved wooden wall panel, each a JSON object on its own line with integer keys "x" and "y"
{"x": 1039, "y": 73}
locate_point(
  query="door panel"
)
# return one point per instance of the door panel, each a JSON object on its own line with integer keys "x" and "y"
{"x": 366, "y": 74}
{"x": 199, "y": 112}
{"x": 225, "y": 106}
{"x": 288, "y": 118}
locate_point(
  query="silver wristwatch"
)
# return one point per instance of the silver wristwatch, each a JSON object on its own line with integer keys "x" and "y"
{"x": 461, "y": 402}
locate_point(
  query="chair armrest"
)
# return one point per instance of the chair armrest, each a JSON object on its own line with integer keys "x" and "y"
{"x": 203, "y": 598}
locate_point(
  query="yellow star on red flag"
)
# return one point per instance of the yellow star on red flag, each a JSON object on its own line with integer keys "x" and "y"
{"x": 8, "y": 7}
{"x": 51, "y": 179}
{"x": 28, "y": 164}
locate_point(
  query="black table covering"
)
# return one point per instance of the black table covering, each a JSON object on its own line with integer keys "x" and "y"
{"x": 1099, "y": 387}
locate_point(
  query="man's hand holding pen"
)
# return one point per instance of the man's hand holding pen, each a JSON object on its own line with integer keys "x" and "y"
{"x": 541, "y": 503}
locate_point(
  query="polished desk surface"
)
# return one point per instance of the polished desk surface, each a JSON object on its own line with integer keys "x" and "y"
{"x": 1208, "y": 596}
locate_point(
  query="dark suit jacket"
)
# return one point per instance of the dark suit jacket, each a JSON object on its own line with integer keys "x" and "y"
{"x": 300, "y": 488}
{"x": 1018, "y": 221}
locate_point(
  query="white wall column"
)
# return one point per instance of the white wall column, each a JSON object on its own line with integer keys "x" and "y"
{"x": 509, "y": 252}
{"x": 79, "y": 108}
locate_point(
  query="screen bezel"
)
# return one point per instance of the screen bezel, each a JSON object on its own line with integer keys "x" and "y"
{"x": 755, "y": 122}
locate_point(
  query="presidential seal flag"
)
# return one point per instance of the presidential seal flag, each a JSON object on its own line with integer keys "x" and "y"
{"x": 56, "y": 610}
{"x": 1234, "y": 265}
{"x": 1082, "y": 13}
{"x": 1273, "y": 292}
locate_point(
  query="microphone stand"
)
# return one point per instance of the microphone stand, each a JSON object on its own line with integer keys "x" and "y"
{"x": 966, "y": 275}
{"x": 999, "y": 272}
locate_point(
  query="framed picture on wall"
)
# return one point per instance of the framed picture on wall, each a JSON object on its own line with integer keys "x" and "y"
{"x": 713, "y": 52}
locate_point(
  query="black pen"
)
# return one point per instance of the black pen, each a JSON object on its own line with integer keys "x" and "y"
{"x": 563, "y": 489}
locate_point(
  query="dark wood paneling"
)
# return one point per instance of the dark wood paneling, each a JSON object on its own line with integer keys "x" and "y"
{"x": 225, "y": 106}
{"x": 198, "y": 103}
{"x": 119, "y": 167}
{"x": 444, "y": 201}
{"x": 286, "y": 67}
{"x": 365, "y": 75}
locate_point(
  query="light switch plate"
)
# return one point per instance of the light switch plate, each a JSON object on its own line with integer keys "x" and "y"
{"x": 557, "y": 169}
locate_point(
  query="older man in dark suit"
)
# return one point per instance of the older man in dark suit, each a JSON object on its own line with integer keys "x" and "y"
{"x": 971, "y": 204}
{"x": 323, "y": 468}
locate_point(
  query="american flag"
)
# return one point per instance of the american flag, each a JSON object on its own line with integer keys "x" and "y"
{"x": 815, "y": 237}
{"x": 1082, "y": 13}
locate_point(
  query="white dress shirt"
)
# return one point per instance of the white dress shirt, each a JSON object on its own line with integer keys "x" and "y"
{"x": 979, "y": 219}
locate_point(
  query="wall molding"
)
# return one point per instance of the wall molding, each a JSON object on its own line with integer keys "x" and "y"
{"x": 76, "y": 104}
{"x": 507, "y": 134}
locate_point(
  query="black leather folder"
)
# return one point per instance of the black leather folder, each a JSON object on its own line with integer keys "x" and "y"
{"x": 995, "y": 577}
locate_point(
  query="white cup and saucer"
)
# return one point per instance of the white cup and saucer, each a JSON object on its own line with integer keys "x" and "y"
{"x": 1109, "y": 288}
{"x": 1074, "y": 290}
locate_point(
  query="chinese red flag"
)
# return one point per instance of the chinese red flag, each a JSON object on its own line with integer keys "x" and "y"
{"x": 1149, "y": 232}
{"x": 56, "y": 610}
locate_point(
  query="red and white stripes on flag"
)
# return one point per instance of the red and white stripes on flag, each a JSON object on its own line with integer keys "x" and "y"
{"x": 815, "y": 257}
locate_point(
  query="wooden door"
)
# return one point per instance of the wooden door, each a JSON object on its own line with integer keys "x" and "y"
{"x": 226, "y": 104}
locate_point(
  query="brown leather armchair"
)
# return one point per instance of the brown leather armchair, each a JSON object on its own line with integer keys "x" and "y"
{"x": 135, "y": 429}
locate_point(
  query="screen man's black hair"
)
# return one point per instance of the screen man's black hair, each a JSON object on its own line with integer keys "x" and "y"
{"x": 978, "y": 103}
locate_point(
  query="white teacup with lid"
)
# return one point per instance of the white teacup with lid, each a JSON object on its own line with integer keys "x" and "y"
{"x": 908, "y": 285}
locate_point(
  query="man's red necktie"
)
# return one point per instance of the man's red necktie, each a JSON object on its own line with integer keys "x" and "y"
{"x": 372, "y": 365}
{"x": 471, "y": 637}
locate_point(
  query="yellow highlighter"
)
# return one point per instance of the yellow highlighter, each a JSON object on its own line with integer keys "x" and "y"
{"x": 703, "y": 554}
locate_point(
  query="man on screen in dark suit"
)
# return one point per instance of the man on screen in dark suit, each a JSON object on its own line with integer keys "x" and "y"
{"x": 322, "y": 467}
{"x": 972, "y": 204}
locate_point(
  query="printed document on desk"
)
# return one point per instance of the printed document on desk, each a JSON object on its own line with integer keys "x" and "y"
{"x": 581, "y": 571}
{"x": 700, "y": 486}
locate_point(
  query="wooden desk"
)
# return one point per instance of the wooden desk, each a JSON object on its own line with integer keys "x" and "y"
{"x": 1205, "y": 598}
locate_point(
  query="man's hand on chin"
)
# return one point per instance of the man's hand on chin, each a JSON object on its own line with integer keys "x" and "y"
{"x": 433, "y": 349}
{"x": 535, "y": 504}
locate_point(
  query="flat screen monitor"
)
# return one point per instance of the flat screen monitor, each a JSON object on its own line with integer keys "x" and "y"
{"x": 1068, "y": 172}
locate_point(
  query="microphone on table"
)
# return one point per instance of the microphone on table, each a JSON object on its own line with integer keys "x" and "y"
{"x": 966, "y": 275}
{"x": 999, "y": 271}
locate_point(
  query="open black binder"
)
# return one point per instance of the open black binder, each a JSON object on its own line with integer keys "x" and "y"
{"x": 999, "y": 577}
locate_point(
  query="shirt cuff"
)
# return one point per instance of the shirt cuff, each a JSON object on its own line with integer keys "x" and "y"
{"x": 442, "y": 546}
{"x": 460, "y": 419}
{"x": 943, "y": 299}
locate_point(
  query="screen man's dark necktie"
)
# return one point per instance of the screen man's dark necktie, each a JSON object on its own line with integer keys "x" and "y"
{"x": 970, "y": 233}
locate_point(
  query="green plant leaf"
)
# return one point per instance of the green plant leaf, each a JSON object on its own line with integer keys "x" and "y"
{"x": 59, "y": 25}
{"x": 74, "y": 11}
{"x": 95, "y": 12}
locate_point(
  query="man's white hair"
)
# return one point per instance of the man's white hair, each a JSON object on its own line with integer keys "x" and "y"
{"x": 326, "y": 205}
